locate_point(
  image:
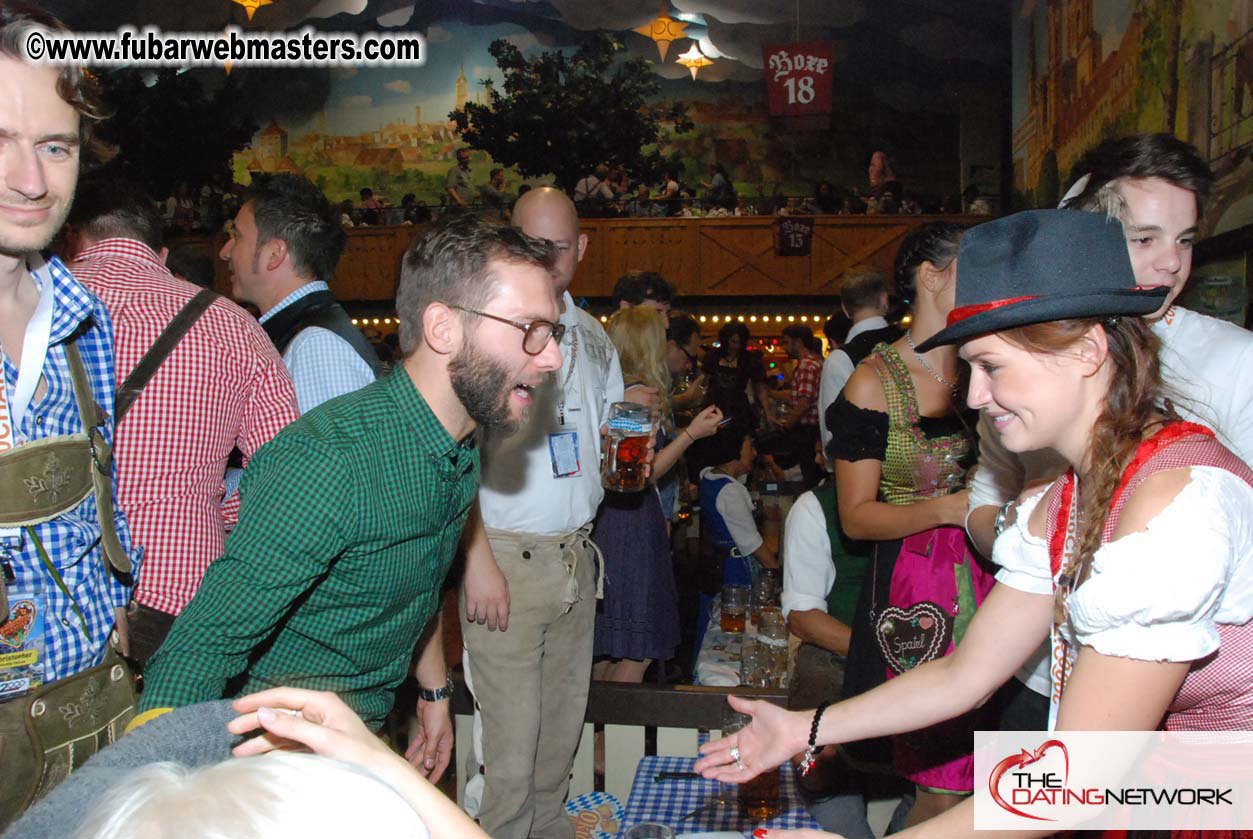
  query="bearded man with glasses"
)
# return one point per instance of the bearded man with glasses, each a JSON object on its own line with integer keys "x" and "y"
{"x": 351, "y": 516}
{"x": 532, "y": 569}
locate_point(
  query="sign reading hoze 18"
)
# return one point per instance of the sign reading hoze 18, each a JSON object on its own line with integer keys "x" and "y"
{"x": 799, "y": 77}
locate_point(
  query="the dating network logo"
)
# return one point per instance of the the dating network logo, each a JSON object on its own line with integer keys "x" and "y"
{"x": 1114, "y": 780}
{"x": 1022, "y": 792}
{"x": 1049, "y": 787}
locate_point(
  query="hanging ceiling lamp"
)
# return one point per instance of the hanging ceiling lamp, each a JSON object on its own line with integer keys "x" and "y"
{"x": 693, "y": 60}
{"x": 663, "y": 29}
{"x": 251, "y": 6}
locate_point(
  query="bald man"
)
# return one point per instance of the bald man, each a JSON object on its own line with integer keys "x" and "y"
{"x": 532, "y": 571}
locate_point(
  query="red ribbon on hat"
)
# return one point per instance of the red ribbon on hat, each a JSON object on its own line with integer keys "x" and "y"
{"x": 962, "y": 312}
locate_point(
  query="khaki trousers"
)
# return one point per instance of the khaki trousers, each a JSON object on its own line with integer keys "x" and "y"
{"x": 531, "y": 681}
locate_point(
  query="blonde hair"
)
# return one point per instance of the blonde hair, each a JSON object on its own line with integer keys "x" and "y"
{"x": 273, "y": 796}
{"x": 639, "y": 333}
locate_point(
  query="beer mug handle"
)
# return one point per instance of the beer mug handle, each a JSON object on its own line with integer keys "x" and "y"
{"x": 612, "y": 460}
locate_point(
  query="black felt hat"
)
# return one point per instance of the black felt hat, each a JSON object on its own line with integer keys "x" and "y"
{"x": 1040, "y": 266}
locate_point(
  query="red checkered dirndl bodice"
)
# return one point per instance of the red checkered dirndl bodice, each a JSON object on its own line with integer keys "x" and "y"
{"x": 1217, "y": 694}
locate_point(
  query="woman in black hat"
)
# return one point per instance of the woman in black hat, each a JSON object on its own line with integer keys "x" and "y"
{"x": 1047, "y": 314}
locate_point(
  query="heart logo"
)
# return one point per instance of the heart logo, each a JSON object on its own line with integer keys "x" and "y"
{"x": 1025, "y": 758}
{"x": 15, "y": 631}
{"x": 913, "y": 636}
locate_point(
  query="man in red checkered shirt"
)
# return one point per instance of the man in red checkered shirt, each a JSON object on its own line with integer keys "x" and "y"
{"x": 223, "y": 386}
{"x": 801, "y": 421}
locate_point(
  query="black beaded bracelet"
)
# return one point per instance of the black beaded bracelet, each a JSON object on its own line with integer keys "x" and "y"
{"x": 811, "y": 750}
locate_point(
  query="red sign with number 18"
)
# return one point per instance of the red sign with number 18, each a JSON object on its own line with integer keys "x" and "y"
{"x": 799, "y": 77}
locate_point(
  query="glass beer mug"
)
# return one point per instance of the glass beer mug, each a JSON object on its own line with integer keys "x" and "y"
{"x": 625, "y": 464}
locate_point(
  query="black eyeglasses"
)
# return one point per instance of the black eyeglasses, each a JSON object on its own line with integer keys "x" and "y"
{"x": 535, "y": 334}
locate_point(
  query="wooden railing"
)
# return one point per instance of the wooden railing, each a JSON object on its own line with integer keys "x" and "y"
{"x": 637, "y": 720}
{"x": 733, "y": 257}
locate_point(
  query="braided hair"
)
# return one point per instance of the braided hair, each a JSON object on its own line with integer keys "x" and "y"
{"x": 935, "y": 242}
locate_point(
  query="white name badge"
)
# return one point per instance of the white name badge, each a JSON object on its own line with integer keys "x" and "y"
{"x": 563, "y": 452}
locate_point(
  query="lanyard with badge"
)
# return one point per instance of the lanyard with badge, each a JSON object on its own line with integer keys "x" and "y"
{"x": 22, "y": 650}
{"x": 563, "y": 444}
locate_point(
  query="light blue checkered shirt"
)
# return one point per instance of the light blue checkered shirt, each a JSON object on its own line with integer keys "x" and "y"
{"x": 72, "y": 540}
{"x": 322, "y": 364}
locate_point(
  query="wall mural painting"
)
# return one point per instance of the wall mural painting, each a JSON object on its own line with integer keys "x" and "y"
{"x": 1086, "y": 70}
{"x": 385, "y": 128}
{"x": 895, "y": 88}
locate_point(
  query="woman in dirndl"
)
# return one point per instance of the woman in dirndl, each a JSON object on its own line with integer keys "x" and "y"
{"x": 1135, "y": 563}
{"x": 902, "y": 442}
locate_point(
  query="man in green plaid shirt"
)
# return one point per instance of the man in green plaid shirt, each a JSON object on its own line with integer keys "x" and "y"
{"x": 351, "y": 516}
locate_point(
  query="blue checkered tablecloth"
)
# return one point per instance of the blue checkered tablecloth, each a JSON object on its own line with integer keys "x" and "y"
{"x": 668, "y": 801}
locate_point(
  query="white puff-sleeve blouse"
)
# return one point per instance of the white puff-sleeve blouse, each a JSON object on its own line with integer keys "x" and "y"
{"x": 1159, "y": 594}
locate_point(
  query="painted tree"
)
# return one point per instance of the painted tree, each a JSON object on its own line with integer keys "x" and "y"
{"x": 1157, "y": 91}
{"x": 168, "y": 129}
{"x": 1173, "y": 48}
{"x": 564, "y": 114}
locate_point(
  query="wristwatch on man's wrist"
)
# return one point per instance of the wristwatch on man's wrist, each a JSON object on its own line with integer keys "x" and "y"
{"x": 437, "y": 695}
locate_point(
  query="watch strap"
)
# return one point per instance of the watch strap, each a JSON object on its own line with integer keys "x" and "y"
{"x": 437, "y": 695}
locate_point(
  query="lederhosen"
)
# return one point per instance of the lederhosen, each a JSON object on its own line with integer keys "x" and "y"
{"x": 53, "y": 729}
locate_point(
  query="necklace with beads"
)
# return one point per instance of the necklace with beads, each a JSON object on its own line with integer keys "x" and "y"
{"x": 909, "y": 339}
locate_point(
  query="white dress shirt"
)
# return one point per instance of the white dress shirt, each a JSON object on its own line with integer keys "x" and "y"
{"x": 735, "y": 505}
{"x": 808, "y": 571}
{"x": 519, "y": 492}
{"x": 836, "y": 371}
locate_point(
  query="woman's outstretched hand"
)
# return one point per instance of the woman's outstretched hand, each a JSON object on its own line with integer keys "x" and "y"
{"x": 773, "y": 736}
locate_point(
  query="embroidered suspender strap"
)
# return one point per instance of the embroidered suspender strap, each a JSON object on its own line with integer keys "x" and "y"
{"x": 102, "y": 460}
{"x": 159, "y": 351}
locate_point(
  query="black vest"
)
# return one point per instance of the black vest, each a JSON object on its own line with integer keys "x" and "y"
{"x": 862, "y": 345}
{"x": 320, "y": 309}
